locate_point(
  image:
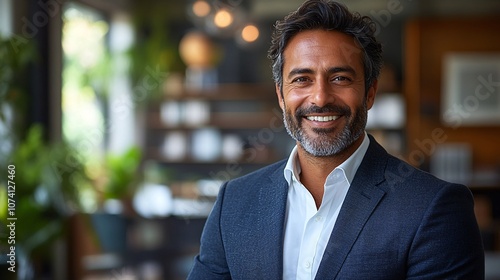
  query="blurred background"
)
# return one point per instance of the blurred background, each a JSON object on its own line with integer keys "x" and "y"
{"x": 119, "y": 119}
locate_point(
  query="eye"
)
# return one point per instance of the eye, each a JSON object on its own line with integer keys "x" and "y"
{"x": 300, "y": 80}
{"x": 342, "y": 80}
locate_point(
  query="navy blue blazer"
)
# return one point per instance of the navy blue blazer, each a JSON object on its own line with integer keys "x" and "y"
{"x": 397, "y": 222}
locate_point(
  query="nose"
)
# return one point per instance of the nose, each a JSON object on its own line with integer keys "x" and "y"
{"x": 321, "y": 94}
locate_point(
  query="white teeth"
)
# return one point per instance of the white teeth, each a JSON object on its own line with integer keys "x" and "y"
{"x": 322, "y": 118}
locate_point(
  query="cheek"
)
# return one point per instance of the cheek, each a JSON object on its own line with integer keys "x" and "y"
{"x": 293, "y": 102}
{"x": 354, "y": 99}
{"x": 294, "y": 98}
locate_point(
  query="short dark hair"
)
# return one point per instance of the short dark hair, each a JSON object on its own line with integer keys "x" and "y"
{"x": 327, "y": 15}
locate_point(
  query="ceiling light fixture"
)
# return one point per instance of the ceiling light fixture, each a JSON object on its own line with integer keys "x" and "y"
{"x": 201, "y": 8}
{"x": 223, "y": 18}
{"x": 250, "y": 33}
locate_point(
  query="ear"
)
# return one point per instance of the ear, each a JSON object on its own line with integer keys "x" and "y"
{"x": 370, "y": 96}
{"x": 279, "y": 94}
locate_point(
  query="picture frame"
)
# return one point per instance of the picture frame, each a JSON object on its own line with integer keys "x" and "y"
{"x": 471, "y": 89}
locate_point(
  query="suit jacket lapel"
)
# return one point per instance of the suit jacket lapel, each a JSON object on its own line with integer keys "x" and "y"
{"x": 362, "y": 198}
{"x": 272, "y": 208}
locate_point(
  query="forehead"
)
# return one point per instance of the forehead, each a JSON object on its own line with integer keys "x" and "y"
{"x": 322, "y": 48}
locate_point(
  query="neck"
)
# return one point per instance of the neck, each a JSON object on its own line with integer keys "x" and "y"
{"x": 315, "y": 170}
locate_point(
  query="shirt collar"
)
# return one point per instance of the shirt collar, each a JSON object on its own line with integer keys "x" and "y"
{"x": 349, "y": 167}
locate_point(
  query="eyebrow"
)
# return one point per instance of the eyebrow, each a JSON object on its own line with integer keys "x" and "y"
{"x": 332, "y": 70}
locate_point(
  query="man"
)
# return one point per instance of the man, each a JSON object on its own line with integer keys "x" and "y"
{"x": 340, "y": 207}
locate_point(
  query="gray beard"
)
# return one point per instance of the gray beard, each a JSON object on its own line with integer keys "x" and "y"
{"x": 324, "y": 145}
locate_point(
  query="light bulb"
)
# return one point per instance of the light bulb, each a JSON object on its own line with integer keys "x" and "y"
{"x": 223, "y": 18}
{"x": 250, "y": 33}
{"x": 201, "y": 8}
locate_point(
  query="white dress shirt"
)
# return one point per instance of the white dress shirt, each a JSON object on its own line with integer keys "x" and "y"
{"x": 308, "y": 229}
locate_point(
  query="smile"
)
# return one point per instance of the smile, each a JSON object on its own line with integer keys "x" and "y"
{"x": 322, "y": 118}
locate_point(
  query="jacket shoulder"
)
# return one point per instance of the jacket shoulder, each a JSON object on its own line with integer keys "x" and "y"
{"x": 400, "y": 171}
{"x": 273, "y": 171}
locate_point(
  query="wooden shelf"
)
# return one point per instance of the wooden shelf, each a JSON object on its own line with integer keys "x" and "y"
{"x": 221, "y": 120}
{"x": 245, "y": 159}
{"x": 227, "y": 92}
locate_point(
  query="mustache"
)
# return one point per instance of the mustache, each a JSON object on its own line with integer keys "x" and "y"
{"x": 330, "y": 108}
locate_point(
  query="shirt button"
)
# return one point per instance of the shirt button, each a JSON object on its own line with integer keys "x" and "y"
{"x": 307, "y": 264}
{"x": 318, "y": 218}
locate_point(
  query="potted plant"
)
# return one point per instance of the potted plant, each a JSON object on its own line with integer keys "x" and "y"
{"x": 45, "y": 196}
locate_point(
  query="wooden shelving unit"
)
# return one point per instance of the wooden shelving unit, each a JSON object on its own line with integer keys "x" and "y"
{"x": 247, "y": 111}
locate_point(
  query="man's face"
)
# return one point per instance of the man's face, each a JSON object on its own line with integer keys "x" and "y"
{"x": 324, "y": 102}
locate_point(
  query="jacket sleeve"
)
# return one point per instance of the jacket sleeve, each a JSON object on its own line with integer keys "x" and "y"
{"x": 211, "y": 262}
{"x": 448, "y": 243}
